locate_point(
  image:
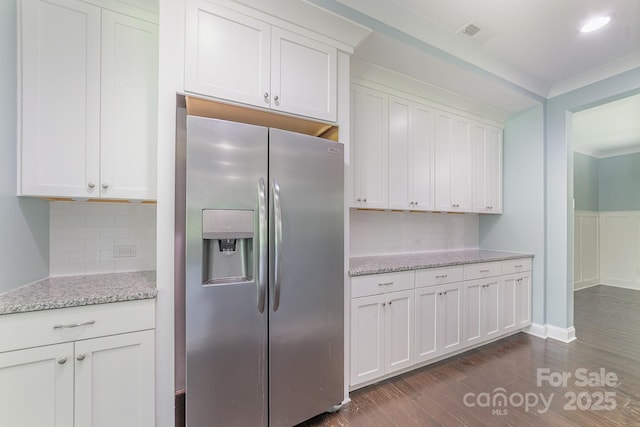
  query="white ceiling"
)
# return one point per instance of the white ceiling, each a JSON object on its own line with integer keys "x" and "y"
{"x": 531, "y": 47}
{"x": 608, "y": 130}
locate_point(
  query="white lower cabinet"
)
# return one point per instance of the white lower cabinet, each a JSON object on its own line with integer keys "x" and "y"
{"x": 402, "y": 320}
{"x": 482, "y": 309}
{"x": 438, "y": 320}
{"x": 381, "y": 326}
{"x": 97, "y": 381}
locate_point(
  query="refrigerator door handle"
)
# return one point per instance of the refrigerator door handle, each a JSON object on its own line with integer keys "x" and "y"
{"x": 277, "y": 214}
{"x": 262, "y": 245}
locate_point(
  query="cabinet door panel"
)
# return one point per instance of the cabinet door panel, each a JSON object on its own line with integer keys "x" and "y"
{"x": 461, "y": 165}
{"x": 367, "y": 338}
{"x": 524, "y": 300}
{"x": 115, "y": 380}
{"x": 60, "y": 103}
{"x": 398, "y": 330}
{"x": 399, "y": 141}
{"x": 129, "y": 88}
{"x": 444, "y": 141}
{"x": 452, "y": 317}
{"x": 493, "y": 174}
{"x": 491, "y": 306}
{"x": 427, "y": 323}
{"x": 421, "y": 164}
{"x": 473, "y": 311}
{"x": 303, "y": 75}
{"x": 37, "y": 390}
{"x": 227, "y": 54}
{"x": 479, "y": 161}
{"x": 510, "y": 303}
{"x": 371, "y": 148}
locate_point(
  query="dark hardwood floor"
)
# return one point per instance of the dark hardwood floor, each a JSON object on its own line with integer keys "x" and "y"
{"x": 607, "y": 322}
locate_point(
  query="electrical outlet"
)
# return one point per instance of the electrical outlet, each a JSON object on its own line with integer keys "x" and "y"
{"x": 124, "y": 251}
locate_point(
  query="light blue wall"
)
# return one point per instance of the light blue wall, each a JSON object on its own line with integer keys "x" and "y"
{"x": 559, "y": 186}
{"x": 619, "y": 182}
{"x": 585, "y": 182}
{"x": 24, "y": 223}
{"x": 521, "y": 227}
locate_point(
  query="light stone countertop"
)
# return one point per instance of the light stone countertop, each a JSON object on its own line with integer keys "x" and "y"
{"x": 73, "y": 291}
{"x": 363, "y": 265}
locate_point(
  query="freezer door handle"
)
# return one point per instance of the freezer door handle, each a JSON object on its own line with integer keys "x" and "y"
{"x": 277, "y": 217}
{"x": 262, "y": 245}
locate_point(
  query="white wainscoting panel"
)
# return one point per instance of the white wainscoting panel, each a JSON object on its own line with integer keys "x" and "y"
{"x": 620, "y": 249}
{"x": 586, "y": 271}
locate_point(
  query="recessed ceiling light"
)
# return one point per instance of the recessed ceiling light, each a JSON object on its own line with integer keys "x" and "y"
{"x": 595, "y": 24}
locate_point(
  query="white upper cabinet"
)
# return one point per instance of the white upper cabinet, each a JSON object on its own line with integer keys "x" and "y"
{"x": 128, "y": 131}
{"x": 235, "y": 57}
{"x": 60, "y": 97}
{"x": 453, "y": 163}
{"x": 486, "y": 144}
{"x": 411, "y": 161}
{"x": 370, "y": 148}
{"x": 87, "y": 102}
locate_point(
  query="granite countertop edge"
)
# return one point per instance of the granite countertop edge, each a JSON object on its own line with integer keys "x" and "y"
{"x": 76, "y": 291}
{"x": 379, "y": 264}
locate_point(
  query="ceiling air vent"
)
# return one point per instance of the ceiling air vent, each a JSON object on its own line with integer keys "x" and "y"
{"x": 470, "y": 29}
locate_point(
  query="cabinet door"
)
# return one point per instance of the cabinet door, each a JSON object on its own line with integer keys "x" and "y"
{"x": 421, "y": 158}
{"x": 227, "y": 54}
{"x": 486, "y": 145}
{"x": 493, "y": 174}
{"x": 129, "y": 125}
{"x": 399, "y": 324}
{"x": 510, "y": 302}
{"x": 37, "y": 387}
{"x": 523, "y": 296}
{"x": 461, "y": 165}
{"x": 450, "y": 305}
{"x": 473, "y": 312}
{"x": 443, "y": 154}
{"x": 60, "y": 98}
{"x": 370, "y": 145}
{"x": 491, "y": 307}
{"x": 304, "y": 76}
{"x": 400, "y": 133}
{"x": 428, "y": 327}
{"x": 367, "y": 338}
{"x": 114, "y": 383}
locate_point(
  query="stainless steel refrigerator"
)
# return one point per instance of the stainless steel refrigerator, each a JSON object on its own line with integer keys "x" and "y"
{"x": 263, "y": 275}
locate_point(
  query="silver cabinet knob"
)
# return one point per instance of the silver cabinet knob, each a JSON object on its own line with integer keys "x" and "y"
{"x": 364, "y": 200}
{"x": 91, "y": 185}
{"x": 390, "y": 302}
{"x": 384, "y": 303}
{"x": 105, "y": 185}
{"x": 80, "y": 357}
{"x": 358, "y": 199}
{"x": 276, "y": 98}
{"x": 62, "y": 361}
{"x": 266, "y": 95}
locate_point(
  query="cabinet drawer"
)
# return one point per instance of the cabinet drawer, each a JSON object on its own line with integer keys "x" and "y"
{"x": 381, "y": 283}
{"x": 480, "y": 271}
{"x": 439, "y": 276}
{"x": 516, "y": 265}
{"x": 37, "y": 328}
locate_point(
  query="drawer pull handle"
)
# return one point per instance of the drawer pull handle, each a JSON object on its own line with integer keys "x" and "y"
{"x": 484, "y": 271}
{"x": 442, "y": 276}
{"x": 385, "y": 284}
{"x": 517, "y": 266}
{"x": 74, "y": 325}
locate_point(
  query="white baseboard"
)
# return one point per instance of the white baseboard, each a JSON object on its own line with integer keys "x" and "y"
{"x": 565, "y": 335}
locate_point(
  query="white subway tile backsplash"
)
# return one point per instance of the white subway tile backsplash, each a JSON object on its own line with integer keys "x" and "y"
{"x": 83, "y": 235}
{"x": 377, "y": 233}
